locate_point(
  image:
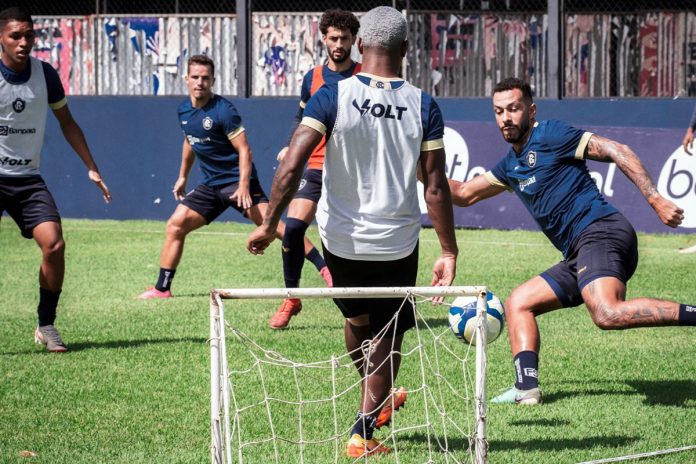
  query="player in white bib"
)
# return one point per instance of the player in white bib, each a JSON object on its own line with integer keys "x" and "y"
{"x": 28, "y": 87}
{"x": 380, "y": 130}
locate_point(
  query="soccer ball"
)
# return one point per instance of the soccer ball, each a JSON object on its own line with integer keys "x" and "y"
{"x": 462, "y": 318}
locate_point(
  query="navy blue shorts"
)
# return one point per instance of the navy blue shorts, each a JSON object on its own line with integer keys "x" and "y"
{"x": 606, "y": 248}
{"x": 310, "y": 185}
{"x": 28, "y": 201}
{"x": 211, "y": 202}
{"x": 353, "y": 273}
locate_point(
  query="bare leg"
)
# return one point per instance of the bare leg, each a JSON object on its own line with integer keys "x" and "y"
{"x": 183, "y": 221}
{"x": 529, "y": 300}
{"x": 378, "y": 368}
{"x": 355, "y": 335}
{"x": 606, "y": 301}
{"x": 49, "y": 238}
{"x": 381, "y": 373}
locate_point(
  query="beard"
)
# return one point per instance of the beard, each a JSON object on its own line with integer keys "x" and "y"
{"x": 518, "y": 134}
{"x": 340, "y": 59}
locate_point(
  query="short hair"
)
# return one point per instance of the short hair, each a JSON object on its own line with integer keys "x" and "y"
{"x": 202, "y": 60}
{"x": 512, "y": 83}
{"x": 14, "y": 13}
{"x": 383, "y": 27}
{"x": 339, "y": 19}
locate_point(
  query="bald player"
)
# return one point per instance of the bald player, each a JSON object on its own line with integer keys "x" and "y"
{"x": 379, "y": 131}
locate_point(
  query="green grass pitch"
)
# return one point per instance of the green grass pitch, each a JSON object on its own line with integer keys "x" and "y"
{"x": 135, "y": 387}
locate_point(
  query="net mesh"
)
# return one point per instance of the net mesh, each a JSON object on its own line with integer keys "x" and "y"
{"x": 297, "y": 410}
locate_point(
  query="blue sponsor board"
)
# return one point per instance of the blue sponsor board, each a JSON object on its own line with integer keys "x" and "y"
{"x": 137, "y": 144}
{"x": 473, "y": 148}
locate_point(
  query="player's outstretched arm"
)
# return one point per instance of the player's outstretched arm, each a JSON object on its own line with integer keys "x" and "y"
{"x": 187, "y": 159}
{"x": 76, "y": 138}
{"x": 602, "y": 149}
{"x": 473, "y": 191}
{"x": 285, "y": 184}
{"x": 439, "y": 203}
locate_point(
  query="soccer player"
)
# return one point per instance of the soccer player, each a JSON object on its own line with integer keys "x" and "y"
{"x": 214, "y": 134}
{"x": 546, "y": 169}
{"x": 339, "y": 30}
{"x": 28, "y": 87}
{"x": 688, "y": 144}
{"x": 379, "y": 131}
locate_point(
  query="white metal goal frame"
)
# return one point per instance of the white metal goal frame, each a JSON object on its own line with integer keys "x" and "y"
{"x": 220, "y": 430}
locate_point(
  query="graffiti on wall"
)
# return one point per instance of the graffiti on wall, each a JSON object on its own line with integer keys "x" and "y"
{"x": 629, "y": 55}
{"x": 147, "y": 56}
{"x": 284, "y": 48}
{"x": 469, "y": 53}
{"x": 647, "y": 54}
{"x": 66, "y": 43}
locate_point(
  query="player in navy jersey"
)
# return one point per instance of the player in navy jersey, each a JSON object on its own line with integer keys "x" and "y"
{"x": 339, "y": 30}
{"x": 213, "y": 133}
{"x": 546, "y": 169}
{"x": 28, "y": 87}
{"x": 368, "y": 213}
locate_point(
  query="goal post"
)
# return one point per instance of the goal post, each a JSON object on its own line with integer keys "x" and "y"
{"x": 222, "y": 427}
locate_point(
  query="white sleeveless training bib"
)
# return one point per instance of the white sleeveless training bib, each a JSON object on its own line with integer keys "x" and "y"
{"x": 369, "y": 202}
{"x": 23, "y": 109}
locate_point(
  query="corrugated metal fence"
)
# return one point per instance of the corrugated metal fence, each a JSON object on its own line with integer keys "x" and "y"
{"x": 451, "y": 53}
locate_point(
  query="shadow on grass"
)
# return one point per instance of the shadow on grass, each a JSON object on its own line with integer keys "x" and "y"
{"x": 666, "y": 392}
{"x": 81, "y": 346}
{"x": 541, "y": 422}
{"x": 114, "y": 344}
{"x": 460, "y": 444}
{"x": 188, "y": 295}
{"x": 420, "y": 439}
{"x": 656, "y": 392}
{"x": 562, "y": 443}
{"x": 560, "y": 395}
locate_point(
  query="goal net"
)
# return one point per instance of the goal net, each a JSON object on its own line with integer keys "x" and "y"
{"x": 268, "y": 406}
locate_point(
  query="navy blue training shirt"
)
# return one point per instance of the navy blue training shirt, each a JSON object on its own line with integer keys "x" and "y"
{"x": 551, "y": 178}
{"x": 209, "y": 130}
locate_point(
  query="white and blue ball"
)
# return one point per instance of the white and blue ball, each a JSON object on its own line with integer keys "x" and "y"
{"x": 462, "y": 318}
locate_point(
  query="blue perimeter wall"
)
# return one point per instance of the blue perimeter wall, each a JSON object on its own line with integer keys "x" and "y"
{"x": 136, "y": 142}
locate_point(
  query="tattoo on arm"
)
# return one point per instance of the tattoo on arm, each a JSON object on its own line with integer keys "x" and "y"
{"x": 605, "y": 150}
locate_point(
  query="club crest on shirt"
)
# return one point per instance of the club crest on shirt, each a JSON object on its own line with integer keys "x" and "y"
{"x": 207, "y": 123}
{"x": 531, "y": 158}
{"x": 18, "y": 105}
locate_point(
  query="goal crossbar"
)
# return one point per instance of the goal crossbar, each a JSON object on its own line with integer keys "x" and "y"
{"x": 220, "y": 394}
{"x": 346, "y": 292}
